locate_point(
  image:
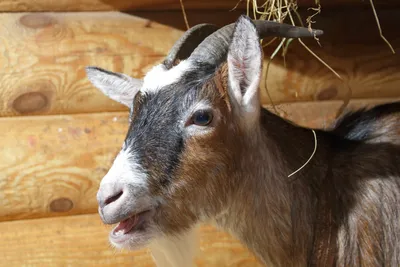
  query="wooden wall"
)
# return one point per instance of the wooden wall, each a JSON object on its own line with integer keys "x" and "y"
{"x": 60, "y": 134}
{"x": 124, "y": 5}
{"x": 44, "y": 55}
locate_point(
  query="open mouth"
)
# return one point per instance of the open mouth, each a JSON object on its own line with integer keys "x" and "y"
{"x": 129, "y": 227}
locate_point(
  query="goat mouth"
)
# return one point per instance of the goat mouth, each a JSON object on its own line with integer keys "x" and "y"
{"x": 135, "y": 224}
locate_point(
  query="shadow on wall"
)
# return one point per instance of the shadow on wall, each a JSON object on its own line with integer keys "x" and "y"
{"x": 213, "y": 5}
{"x": 351, "y": 45}
{"x": 354, "y": 30}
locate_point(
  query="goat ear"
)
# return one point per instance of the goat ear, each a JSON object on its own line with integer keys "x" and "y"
{"x": 245, "y": 65}
{"x": 117, "y": 86}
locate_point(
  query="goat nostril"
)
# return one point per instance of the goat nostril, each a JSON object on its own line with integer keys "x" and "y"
{"x": 113, "y": 198}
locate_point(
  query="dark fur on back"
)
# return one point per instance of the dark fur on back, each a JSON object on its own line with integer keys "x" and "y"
{"x": 348, "y": 195}
{"x": 361, "y": 125}
{"x": 360, "y": 191}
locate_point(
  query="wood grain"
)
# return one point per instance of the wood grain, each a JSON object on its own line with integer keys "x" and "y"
{"x": 44, "y": 55}
{"x": 126, "y": 5}
{"x": 82, "y": 241}
{"x": 109, "y": 5}
{"x": 321, "y": 114}
{"x": 351, "y": 45}
{"x": 52, "y": 165}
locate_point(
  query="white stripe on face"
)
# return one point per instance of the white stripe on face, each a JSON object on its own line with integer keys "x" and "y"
{"x": 123, "y": 190}
{"x": 126, "y": 170}
{"x": 159, "y": 76}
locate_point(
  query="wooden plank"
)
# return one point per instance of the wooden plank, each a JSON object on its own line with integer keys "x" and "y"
{"x": 128, "y": 5}
{"x": 52, "y": 165}
{"x": 322, "y": 114}
{"x": 351, "y": 45}
{"x": 44, "y": 55}
{"x": 109, "y": 5}
{"x": 82, "y": 241}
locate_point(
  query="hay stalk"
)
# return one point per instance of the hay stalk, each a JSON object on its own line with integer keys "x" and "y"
{"x": 184, "y": 15}
{"x": 279, "y": 10}
{"x": 379, "y": 27}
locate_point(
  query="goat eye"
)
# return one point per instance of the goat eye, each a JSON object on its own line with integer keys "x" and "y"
{"x": 202, "y": 117}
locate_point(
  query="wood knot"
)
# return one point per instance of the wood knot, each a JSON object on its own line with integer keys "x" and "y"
{"x": 30, "y": 102}
{"x": 37, "y": 21}
{"x": 61, "y": 205}
{"x": 327, "y": 94}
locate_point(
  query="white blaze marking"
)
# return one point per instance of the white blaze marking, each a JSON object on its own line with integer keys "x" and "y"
{"x": 159, "y": 76}
{"x": 126, "y": 170}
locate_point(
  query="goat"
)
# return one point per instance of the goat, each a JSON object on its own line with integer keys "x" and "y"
{"x": 200, "y": 148}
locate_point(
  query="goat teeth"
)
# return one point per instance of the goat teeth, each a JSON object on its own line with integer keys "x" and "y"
{"x": 120, "y": 232}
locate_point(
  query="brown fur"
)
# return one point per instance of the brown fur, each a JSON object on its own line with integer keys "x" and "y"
{"x": 221, "y": 83}
{"x": 238, "y": 179}
{"x": 341, "y": 209}
{"x": 199, "y": 151}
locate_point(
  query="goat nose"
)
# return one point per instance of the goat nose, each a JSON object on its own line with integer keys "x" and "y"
{"x": 108, "y": 195}
{"x": 112, "y": 198}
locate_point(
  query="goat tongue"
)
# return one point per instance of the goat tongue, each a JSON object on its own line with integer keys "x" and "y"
{"x": 126, "y": 225}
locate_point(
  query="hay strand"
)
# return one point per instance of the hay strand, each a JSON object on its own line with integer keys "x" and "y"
{"x": 267, "y": 70}
{"x": 379, "y": 26}
{"x": 279, "y": 10}
{"x": 184, "y": 15}
{"x": 237, "y": 4}
{"x": 309, "y": 159}
{"x": 349, "y": 92}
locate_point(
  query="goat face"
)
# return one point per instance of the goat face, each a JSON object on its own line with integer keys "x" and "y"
{"x": 172, "y": 157}
{"x": 186, "y": 125}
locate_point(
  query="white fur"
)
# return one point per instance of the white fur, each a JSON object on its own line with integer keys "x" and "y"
{"x": 159, "y": 76}
{"x": 123, "y": 88}
{"x": 125, "y": 170}
{"x": 125, "y": 175}
{"x": 117, "y": 86}
{"x": 176, "y": 251}
{"x": 244, "y": 66}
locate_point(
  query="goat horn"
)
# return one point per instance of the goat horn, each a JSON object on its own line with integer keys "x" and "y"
{"x": 214, "y": 47}
{"x": 188, "y": 42}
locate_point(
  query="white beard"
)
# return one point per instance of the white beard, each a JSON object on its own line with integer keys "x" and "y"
{"x": 176, "y": 251}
